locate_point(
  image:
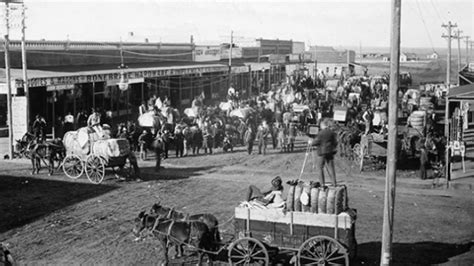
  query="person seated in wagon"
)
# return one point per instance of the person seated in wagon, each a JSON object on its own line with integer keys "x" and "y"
{"x": 271, "y": 198}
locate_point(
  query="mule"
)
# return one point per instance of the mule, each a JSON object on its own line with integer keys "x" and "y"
{"x": 169, "y": 213}
{"x": 50, "y": 151}
{"x": 178, "y": 233}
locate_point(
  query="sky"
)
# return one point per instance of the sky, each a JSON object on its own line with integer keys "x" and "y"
{"x": 318, "y": 22}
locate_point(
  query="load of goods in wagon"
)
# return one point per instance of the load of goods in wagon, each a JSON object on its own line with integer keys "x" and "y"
{"x": 309, "y": 197}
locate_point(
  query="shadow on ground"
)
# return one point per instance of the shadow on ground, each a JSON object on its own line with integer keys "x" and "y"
{"x": 419, "y": 253}
{"x": 171, "y": 173}
{"x": 23, "y": 199}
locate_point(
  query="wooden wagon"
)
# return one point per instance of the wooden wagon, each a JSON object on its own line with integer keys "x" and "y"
{"x": 93, "y": 157}
{"x": 312, "y": 238}
{"x": 371, "y": 146}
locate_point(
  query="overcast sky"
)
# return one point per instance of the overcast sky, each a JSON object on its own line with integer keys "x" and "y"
{"x": 336, "y": 23}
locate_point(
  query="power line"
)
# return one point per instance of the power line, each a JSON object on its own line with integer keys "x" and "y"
{"x": 424, "y": 24}
{"x": 436, "y": 10}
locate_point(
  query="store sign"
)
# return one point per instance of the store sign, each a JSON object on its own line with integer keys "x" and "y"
{"x": 130, "y": 81}
{"x": 236, "y": 53}
{"x": 60, "y": 87}
{"x": 20, "y": 124}
{"x": 130, "y": 75}
{"x": 207, "y": 53}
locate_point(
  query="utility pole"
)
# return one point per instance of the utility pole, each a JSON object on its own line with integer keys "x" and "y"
{"x": 467, "y": 48}
{"x": 230, "y": 57}
{"x": 7, "y": 79}
{"x": 23, "y": 64}
{"x": 390, "y": 174}
{"x": 457, "y": 36}
{"x": 449, "y": 26}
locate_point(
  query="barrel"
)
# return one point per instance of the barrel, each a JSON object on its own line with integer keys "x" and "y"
{"x": 306, "y": 191}
{"x": 322, "y": 200}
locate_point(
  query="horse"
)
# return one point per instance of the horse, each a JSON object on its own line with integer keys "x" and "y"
{"x": 23, "y": 145}
{"x": 5, "y": 256}
{"x": 52, "y": 151}
{"x": 177, "y": 233}
{"x": 169, "y": 213}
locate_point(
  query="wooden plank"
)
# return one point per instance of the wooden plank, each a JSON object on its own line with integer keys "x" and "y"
{"x": 299, "y": 218}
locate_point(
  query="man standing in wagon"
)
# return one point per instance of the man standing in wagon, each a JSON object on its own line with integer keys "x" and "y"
{"x": 326, "y": 143}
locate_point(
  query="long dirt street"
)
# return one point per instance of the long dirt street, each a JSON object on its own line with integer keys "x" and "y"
{"x": 56, "y": 221}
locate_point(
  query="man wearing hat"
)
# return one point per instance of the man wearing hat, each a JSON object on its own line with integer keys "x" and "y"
{"x": 271, "y": 197}
{"x": 326, "y": 141}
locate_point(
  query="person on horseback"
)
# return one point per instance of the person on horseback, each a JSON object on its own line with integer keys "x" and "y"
{"x": 38, "y": 128}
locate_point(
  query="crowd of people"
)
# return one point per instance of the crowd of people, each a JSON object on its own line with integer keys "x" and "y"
{"x": 272, "y": 119}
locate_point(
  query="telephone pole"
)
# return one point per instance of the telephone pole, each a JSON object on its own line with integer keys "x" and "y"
{"x": 467, "y": 48}
{"x": 230, "y": 57}
{"x": 7, "y": 79}
{"x": 390, "y": 174}
{"x": 23, "y": 64}
{"x": 457, "y": 36}
{"x": 449, "y": 27}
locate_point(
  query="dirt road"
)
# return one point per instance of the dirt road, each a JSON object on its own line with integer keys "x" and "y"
{"x": 57, "y": 221}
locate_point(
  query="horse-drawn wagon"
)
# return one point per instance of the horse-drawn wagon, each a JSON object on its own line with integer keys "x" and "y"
{"x": 315, "y": 238}
{"x": 91, "y": 153}
{"x": 371, "y": 146}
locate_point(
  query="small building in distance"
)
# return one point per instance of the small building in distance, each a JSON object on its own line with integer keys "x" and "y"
{"x": 407, "y": 57}
{"x": 433, "y": 56}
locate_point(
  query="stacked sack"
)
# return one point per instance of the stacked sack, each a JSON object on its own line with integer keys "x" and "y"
{"x": 109, "y": 148}
{"x": 417, "y": 120}
{"x": 304, "y": 197}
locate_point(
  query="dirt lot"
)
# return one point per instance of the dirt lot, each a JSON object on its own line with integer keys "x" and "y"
{"x": 57, "y": 221}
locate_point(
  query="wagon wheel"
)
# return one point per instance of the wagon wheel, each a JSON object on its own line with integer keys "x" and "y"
{"x": 322, "y": 250}
{"x": 95, "y": 169}
{"x": 73, "y": 166}
{"x": 248, "y": 251}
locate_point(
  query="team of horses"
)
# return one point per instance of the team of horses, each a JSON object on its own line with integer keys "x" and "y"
{"x": 199, "y": 232}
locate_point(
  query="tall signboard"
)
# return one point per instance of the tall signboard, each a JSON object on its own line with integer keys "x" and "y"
{"x": 20, "y": 124}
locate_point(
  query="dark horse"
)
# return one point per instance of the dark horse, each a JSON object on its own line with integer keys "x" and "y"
{"x": 207, "y": 218}
{"x": 48, "y": 152}
{"x": 178, "y": 233}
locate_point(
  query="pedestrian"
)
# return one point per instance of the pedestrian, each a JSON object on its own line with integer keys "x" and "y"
{"x": 291, "y": 137}
{"x": 82, "y": 119}
{"x": 368, "y": 116}
{"x": 282, "y": 137}
{"x": 68, "y": 122}
{"x": 142, "y": 108}
{"x": 179, "y": 143}
{"x": 159, "y": 147}
{"x": 249, "y": 138}
{"x": 143, "y": 141}
{"x": 326, "y": 143}
{"x": 423, "y": 159}
{"x": 39, "y": 126}
{"x": 166, "y": 139}
{"x": 262, "y": 136}
{"x": 94, "y": 121}
{"x": 207, "y": 137}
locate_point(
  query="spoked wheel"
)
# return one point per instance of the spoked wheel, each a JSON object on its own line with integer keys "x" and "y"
{"x": 248, "y": 251}
{"x": 73, "y": 166}
{"x": 322, "y": 250}
{"x": 95, "y": 169}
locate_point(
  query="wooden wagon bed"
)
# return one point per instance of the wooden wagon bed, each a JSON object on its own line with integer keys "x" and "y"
{"x": 295, "y": 231}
